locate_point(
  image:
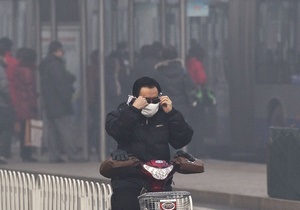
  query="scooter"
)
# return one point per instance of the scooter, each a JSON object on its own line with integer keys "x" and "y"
{"x": 156, "y": 195}
{"x": 158, "y": 173}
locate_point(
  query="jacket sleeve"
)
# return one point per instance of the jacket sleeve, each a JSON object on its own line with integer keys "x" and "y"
{"x": 120, "y": 124}
{"x": 180, "y": 132}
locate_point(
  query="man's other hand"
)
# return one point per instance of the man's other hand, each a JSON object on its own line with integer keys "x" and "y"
{"x": 120, "y": 155}
{"x": 166, "y": 103}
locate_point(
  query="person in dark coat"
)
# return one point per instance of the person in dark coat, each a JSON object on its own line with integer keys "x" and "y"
{"x": 93, "y": 87}
{"x": 145, "y": 63}
{"x": 144, "y": 127}
{"x": 149, "y": 56}
{"x": 171, "y": 74}
{"x": 25, "y": 96}
{"x": 57, "y": 91}
{"x": 117, "y": 75}
{"x": 6, "y": 111}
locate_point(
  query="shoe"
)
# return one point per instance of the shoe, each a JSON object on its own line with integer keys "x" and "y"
{"x": 3, "y": 160}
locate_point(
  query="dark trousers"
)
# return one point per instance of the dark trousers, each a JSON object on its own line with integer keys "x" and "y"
{"x": 26, "y": 151}
{"x": 94, "y": 128}
{"x": 6, "y": 130}
{"x": 125, "y": 199}
{"x": 61, "y": 134}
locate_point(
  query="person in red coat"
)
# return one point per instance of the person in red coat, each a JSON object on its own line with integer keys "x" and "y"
{"x": 25, "y": 96}
{"x": 11, "y": 63}
{"x": 195, "y": 67}
{"x": 197, "y": 73}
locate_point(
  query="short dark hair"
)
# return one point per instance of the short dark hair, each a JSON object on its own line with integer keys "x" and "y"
{"x": 5, "y": 45}
{"x": 54, "y": 46}
{"x": 144, "y": 82}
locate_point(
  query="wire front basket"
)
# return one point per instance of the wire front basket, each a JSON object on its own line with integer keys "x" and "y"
{"x": 170, "y": 200}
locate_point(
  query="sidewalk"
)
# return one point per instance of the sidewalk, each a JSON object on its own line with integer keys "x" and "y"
{"x": 236, "y": 184}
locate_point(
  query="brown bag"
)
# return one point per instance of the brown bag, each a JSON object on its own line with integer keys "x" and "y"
{"x": 114, "y": 168}
{"x": 184, "y": 166}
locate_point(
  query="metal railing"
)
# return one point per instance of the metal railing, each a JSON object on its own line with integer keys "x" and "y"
{"x": 24, "y": 191}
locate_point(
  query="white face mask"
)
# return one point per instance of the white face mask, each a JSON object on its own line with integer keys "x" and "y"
{"x": 150, "y": 110}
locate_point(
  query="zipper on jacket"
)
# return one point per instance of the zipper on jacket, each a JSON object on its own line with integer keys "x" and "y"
{"x": 146, "y": 121}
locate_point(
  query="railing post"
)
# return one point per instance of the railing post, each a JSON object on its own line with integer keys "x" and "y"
{"x": 24, "y": 191}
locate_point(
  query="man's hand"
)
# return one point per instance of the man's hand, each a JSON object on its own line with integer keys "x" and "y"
{"x": 166, "y": 103}
{"x": 140, "y": 102}
{"x": 119, "y": 154}
{"x": 188, "y": 156}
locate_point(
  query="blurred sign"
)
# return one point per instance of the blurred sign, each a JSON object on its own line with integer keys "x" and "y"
{"x": 197, "y": 8}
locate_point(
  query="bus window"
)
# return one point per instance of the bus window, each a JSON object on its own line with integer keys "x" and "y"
{"x": 277, "y": 41}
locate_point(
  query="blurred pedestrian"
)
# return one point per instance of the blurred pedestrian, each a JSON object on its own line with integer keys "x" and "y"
{"x": 145, "y": 63}
{"x": 157, "y": 48}
{"x": 195, "y": 66}
{"x": 11, "y": 63}
{"x": 93, "y": 101}
{"x": 117, "y": 75}
{"x": 170, "y": 73}
{"x": 6, "y": 111}
{"x": 26, "y": 96}
{"x": 148, "y": 57}
{"x": 195, "y": 69}
{"x": 57, "y": 91}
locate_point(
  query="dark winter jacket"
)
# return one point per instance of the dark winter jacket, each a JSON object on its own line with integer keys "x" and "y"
{"x": 175, "y": 83}
{"x": 56, "y": 87}
{"x": 148, "y": 138}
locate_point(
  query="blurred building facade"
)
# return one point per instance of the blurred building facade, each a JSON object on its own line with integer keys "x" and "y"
{"x": 252, "y": 50}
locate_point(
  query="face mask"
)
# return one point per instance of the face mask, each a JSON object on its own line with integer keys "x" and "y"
{"x": 150, "y": 110}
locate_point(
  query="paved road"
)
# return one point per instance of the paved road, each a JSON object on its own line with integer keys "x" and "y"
{"x": 224, "y": 183}
{"x": 214, "y": 207}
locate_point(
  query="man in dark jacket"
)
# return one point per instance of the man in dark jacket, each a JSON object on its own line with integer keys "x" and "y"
{"x": 57, "y": 90}
{"x": 144, "y": 127}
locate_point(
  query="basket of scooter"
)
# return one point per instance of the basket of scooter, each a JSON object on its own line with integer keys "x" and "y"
{"x": 174, "y": 200}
